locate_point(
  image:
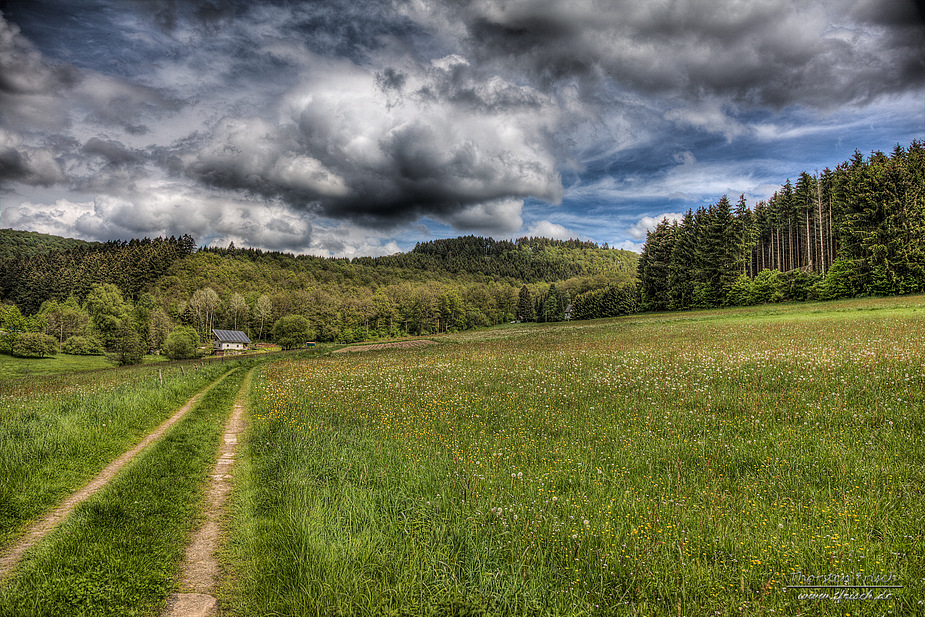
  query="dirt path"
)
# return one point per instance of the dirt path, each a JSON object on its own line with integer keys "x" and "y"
{"x": 416, "y": 343}
{"x": 43, "y": 527}
{"x": 200, "y": 568}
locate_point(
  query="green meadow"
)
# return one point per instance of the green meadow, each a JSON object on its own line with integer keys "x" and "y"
{"x": 693, "y": 463}
{"x": 698, "y": 463}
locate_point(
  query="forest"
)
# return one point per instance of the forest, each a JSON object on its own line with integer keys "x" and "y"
{"x": 128, "y": 298}
{"x": 858, "y": 230}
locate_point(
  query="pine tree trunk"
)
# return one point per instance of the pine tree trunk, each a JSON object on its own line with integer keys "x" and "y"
{"x": 822, "y": 259}
{"x": 790, "y": 246}
{"x": 809, "y": 246}
{"x": 780, "y": 256}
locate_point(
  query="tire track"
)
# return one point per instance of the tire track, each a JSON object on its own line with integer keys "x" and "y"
{"x": 200, "y": 568}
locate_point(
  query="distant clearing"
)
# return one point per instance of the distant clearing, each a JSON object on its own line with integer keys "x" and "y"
{"x": 395, "y": 345}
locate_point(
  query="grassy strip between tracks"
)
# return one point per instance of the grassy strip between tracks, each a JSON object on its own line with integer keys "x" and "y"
{"x": 55, "y": 437}
{"x": 119, "y": 552}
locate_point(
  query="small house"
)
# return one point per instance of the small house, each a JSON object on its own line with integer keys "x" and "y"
{"x": 229, "y": 341}
{"x": 568, "y": 312}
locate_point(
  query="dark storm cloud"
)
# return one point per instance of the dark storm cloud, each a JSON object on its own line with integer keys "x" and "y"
{"x": 34, "y": 166}
{"x": 459, "y": 83}
{"x": 772, "y": 53}
{"x": 21, "y": 166}
{"x": 388, "y": 146}
{"x": 29, "y": 85}
{"x": 168, "y": 14}
{"x": 113, "y": 152}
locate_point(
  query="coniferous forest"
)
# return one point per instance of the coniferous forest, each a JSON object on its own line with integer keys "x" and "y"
{"x": 856, "y": 230}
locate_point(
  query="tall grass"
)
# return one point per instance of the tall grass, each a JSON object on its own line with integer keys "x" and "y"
{"x": 672, "y": 464}
{"x": 56, "y": 434}
{"x": 119, "y": 552}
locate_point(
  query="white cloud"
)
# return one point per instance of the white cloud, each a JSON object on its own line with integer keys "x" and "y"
{"x": 547, "y": 229}
{"x": 59, "y": 218}
{"x": 628, "y": 245}
{"x": 707, "y": 116}
{"x": 648, "y": 223}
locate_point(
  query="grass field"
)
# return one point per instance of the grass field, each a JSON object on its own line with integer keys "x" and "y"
{"x": 12, "y": 367}
{"x": 673, "y": 464}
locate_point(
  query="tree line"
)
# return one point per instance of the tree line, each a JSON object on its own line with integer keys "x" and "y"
{"x": 131, "y": 297}
{"x": 855, "y": 230}
{"x": 858, "y": 229}
{"x": 29, "y": 279}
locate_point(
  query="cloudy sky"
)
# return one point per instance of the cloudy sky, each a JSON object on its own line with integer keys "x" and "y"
{"x": 359, "y": 127}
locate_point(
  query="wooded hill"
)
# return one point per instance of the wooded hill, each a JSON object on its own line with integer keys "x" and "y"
{"x": 25, "y": 243}
{"x": 855, "y": 230}
{"x": 439, "y": 286}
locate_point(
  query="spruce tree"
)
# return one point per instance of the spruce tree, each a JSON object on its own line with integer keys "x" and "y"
{"x": 525, "y": 310}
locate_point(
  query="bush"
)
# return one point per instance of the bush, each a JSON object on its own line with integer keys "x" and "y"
{"x": 292, "y": 331}
{"x": 82, "y": 346}
{"x": 798, "y": 285}
{"x": 837, "y": 282}
{"x": 767, "y": 288}
{"x": 35, "y": 345}
{"x": 740, "y": 294}
{"x": 181, "y": 344}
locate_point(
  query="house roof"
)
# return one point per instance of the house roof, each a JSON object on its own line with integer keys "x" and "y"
{"x": 230, "y": 336}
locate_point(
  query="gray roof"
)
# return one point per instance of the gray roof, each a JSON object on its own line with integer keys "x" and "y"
{"x": 231, "y": 336}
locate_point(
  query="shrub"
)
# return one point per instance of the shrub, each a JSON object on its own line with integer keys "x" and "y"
{"x": 35, "y": 345}
{"x": 181, "y": 343}
{"x": 766, "y": 287}
{"x": 837, "y": 282}
{"x": 740, "y": 294}
{"x": 82, "y": 346}
{"x": 292, "y": 331}
{"x": 798, "y": 285}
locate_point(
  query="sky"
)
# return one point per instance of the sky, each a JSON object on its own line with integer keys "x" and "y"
{"x": 360, "y": 127}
